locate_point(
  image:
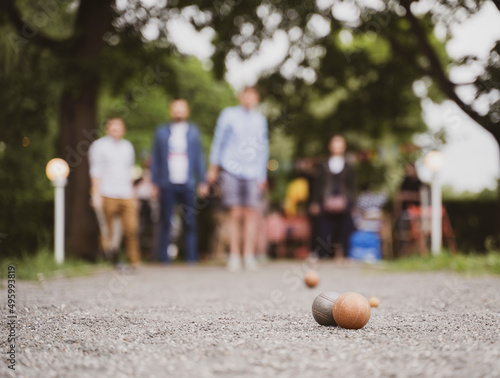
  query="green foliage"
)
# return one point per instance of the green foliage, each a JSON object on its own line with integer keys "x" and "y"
{"x": 53, "y": 18}
{"x": 460, "y": 263}
{"x": 475, "y": 223}
{"x": 26, "y": 144}
{"x": 43, "y": 265}
{"x": 144, "y": 102}
{"x": 486, "y": 195}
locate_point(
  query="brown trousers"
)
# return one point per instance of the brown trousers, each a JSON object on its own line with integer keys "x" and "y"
{"x": 126, "y": 209}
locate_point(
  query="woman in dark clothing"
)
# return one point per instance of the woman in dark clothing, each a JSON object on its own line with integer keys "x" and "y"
{"x": 332, "y": 202}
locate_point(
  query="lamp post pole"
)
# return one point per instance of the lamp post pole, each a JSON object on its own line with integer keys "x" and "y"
{"x": 436, "y": 227}
{"x": 59, "y": 185}
{"x": 434, "y": 161}
{"x": 57, "y": 171}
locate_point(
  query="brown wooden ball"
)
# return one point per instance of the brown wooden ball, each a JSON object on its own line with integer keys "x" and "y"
{"x": 374, "y": 301}
{"x": 351, "y": 311}
{"x": 311, "y": 279}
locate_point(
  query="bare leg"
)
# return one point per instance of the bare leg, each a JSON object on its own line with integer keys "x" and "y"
{"x": 250, "y": 231}
{"x": 261, "y": 243}
{"x": 338, "y": 252}
{"x": 235, "y": 215}
{"x": 340, "y": 255}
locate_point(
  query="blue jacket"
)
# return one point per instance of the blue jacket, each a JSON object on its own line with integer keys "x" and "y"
{"x": 159, "y": 168}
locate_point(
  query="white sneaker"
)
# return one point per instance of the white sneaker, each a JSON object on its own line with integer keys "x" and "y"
{"x": 234, "y": 263}
{"x": 250, "y": 262}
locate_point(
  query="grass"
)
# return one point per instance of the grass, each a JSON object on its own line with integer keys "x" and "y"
{"x": 472, "y": 264}
{"x": 42, "y": 265}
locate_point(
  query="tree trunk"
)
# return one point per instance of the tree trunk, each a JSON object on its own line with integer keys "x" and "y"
{"x": 78, "y": 122}
{"x": 78, "y": 127}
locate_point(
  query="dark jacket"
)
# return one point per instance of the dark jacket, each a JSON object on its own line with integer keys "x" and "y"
{"x": 342, "y": 183}
{"x": 159, "y": 167}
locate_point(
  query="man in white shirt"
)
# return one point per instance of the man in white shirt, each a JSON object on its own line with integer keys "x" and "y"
{"x": 178, "y": 169}
{"x": 111, "y": 160}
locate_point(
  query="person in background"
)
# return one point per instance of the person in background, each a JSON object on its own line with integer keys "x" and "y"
{"x": 369, "y": 209}
{"x": 111, "y": 161}
{"x": 310, "y": 169}
{"x": 148, "y": 212}
{"x": 219, "y": 225}
{"x": 409, "y": 191}
{"x": 297, "y": 193}
{"x": 409, "y": 195}
{"x": 178, "y": 171}
{"x": 239, "y": 155}
{"x": 333, "y": 200}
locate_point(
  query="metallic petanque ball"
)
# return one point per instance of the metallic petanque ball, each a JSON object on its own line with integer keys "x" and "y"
{"x": 374, "y": 301}
{"x": 311, "y": 279}
{"x": 322, "y": 308}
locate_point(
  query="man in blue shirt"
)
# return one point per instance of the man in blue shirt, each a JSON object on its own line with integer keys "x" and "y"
{"x": 178, "y": 168}
{"x": 238, "y": 157}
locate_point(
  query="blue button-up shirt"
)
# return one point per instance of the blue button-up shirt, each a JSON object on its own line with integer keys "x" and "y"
{"x": 241, "y": 144}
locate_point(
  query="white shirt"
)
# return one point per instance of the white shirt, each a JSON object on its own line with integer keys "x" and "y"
{"x": 111, "y": 161}
{"x": 178, "y": 163}
{"x": 336, "y": 164}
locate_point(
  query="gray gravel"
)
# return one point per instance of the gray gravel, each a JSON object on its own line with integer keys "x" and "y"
{"x": 205, "y": 322}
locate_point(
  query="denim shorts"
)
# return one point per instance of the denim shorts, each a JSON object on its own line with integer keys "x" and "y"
{"x": 239, "y": 192}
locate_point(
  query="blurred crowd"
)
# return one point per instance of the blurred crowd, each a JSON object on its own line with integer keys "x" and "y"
{"x": 322, "y": 214}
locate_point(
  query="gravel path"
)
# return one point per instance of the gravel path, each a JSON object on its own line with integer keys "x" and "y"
{"x": 205, "y": 322}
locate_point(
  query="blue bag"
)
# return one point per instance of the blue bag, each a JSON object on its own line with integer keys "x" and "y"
{"x": 365, "y": 246}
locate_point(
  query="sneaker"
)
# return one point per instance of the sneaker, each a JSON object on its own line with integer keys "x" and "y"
{"x": 250, "y": 262}
{"x": 234, "y": 263}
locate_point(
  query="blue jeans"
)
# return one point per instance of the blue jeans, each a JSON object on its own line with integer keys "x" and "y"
{"x": 185, "y": 196}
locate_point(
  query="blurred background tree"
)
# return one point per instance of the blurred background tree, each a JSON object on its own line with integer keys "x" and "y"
{"x": 67, "y": 65}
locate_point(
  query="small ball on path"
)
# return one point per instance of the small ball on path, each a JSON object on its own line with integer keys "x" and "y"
{"x": 374, "y": 301}
{"x": 351, "y": 311}
{"x": 311, "y": 279}
{"x": 322, "y": 308}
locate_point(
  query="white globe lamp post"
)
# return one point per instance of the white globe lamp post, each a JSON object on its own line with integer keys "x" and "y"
{"x": 434, "y": 161}
{"x": 57, "y": 171}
